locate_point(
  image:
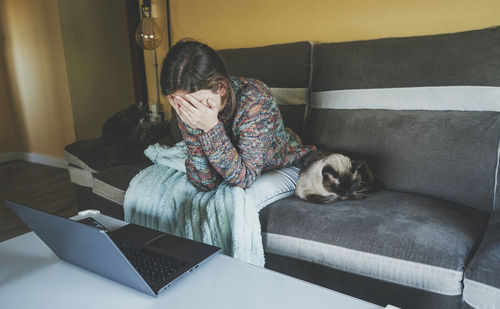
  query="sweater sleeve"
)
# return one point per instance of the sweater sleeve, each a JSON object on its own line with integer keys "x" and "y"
{"x": 242, "y": 165}
{"x": 199, "y": 171}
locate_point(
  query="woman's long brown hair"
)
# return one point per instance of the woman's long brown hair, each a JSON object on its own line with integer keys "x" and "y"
{"x": 192, "y": 66}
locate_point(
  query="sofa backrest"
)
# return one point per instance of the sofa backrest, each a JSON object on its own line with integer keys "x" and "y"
{"x": 423, "y": 111}
{"x": 285, "y": 68}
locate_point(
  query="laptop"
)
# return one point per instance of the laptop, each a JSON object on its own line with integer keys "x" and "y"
{"x": 141, "y": 258}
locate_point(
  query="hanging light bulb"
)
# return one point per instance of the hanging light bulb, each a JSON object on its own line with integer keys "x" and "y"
{"x": 148, "y": 34}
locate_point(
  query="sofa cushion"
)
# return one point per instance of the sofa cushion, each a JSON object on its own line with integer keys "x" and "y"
{"x": 424, "y": 109}
{"x": 285, "y": 68}
{"x": 482, "y": 276}
{"x": 97, "y": 154}
{"x": 398, "y": 237}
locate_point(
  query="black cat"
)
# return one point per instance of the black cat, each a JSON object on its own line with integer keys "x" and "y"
{"x": 132, "y": 125}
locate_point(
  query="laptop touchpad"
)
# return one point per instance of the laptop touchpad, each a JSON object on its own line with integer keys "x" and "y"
{"x": 169, "y": 243}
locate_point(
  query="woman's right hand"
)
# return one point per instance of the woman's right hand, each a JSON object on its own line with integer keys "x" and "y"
{"x": 194, "y": 113}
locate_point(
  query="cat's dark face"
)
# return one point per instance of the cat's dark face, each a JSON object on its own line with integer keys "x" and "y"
{"x": 343, "y": 183}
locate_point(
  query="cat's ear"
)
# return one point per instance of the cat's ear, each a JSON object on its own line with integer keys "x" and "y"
{"x": 357, "y": 164}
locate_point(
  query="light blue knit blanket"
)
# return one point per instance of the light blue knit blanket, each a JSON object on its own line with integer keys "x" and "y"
{"x": 160, "y": 197}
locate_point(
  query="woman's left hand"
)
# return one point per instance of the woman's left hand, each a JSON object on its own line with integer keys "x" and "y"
{"x": 196, "y": 114}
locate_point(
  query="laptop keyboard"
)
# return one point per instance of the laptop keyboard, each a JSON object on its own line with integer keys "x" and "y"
{"x": 152, "y": 266}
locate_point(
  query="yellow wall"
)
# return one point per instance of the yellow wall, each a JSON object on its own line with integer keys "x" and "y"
{"x": 8, "y": 134}
{"x": 243, "y": 23}
{"x": 36, "y": 70}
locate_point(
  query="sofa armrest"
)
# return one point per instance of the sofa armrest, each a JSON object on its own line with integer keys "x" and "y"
{"x": 482, "y": 275}
{"x": 94, "y": 155}
{"x": 97, "y": 154}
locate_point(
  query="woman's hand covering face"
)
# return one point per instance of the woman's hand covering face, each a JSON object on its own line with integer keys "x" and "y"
{"x": 194, "y": 113}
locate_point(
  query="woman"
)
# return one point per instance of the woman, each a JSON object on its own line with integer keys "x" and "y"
{"x": 231, "y": 125}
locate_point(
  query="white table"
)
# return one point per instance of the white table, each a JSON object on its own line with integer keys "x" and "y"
{"x": 31, "y": 276}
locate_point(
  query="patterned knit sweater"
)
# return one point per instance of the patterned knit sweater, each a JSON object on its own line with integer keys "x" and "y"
{"x": 245, "y": 142}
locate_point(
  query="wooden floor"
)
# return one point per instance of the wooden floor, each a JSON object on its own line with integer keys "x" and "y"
{"x": 43, "y": 187}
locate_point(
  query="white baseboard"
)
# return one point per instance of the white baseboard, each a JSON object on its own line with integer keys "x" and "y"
{"x": 33, "y": 157}
{"x": 8, "y": 156}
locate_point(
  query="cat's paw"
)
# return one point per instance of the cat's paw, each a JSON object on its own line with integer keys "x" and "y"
{"x": 358, "y": 197}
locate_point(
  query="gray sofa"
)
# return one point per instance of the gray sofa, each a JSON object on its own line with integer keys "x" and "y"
{"x": 424, "y": 112}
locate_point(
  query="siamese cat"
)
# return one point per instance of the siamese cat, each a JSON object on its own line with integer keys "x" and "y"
{"x": 328, "y": 177}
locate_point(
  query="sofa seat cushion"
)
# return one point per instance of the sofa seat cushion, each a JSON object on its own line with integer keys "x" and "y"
{"x": 482, "y": 276}
{"x": 398, "y": 237}
{"x": 98, "y": 154}
{"x": 112, "y": 183}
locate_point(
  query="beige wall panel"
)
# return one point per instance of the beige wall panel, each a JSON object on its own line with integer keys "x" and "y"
{"x": 98, "y": 60}
{"x": 9, "y": 139}
{"x": 37, "y": 70}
